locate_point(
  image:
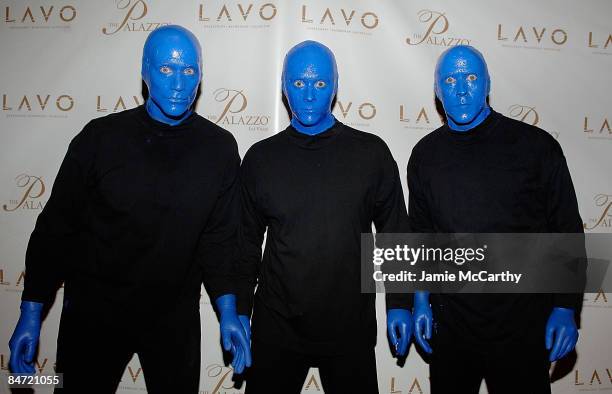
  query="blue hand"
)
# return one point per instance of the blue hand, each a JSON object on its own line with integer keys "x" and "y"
{"x": 562, "y": 327}
{"x": 423, "y": 320}
{"x": 246, "y": 325}
{"x": 25, "y": 338}
{"x": 234, "y": 335}
{"x": 399, "y": 321}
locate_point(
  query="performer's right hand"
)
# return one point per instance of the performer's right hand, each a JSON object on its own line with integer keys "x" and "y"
{"x": 25, "y": 338}
{"x": 235, "y": 332}
{"x": 423, "y": 320}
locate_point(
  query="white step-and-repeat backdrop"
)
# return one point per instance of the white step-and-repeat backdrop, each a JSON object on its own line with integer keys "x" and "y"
{"x": 65, "y": 62}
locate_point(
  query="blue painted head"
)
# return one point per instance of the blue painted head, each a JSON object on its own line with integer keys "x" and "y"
{"x": 310, "y": 82}
{"x": 462, "y": 84}
{"x": 172, "y": 70}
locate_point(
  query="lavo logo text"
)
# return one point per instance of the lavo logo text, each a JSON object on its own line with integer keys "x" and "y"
{"x": 40, "y": 14}
{"x": 368, "y": 19}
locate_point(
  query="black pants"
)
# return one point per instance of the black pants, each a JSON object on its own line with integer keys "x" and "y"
{"x": 278, "y": 370}
{"x": 95, "y": 343}
{"x": 521, "y": 367}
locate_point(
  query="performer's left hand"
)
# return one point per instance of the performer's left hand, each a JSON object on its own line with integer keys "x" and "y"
{"x": 561, "y": 333}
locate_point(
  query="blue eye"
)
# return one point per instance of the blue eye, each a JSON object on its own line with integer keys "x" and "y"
{"x": 472, "y": 77}
{"x": 299, "y": 84}
{"x": 320, "y": 84}
{"x": 450, "y": 80}
{"x": 189, "y": 71}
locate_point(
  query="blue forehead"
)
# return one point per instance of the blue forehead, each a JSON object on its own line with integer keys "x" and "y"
{"x": 172, "y": 44}
{"x": 310, "y": 60}
{"x": 461, "y": 59}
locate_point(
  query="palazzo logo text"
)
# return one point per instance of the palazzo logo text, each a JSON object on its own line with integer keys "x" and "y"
{"x": 132, "y": 19}
{"x": 603, "y": 219}
{"x": 31, "y": 190}
{"x": 234, "y": 111}
{"x": 436, "y": 31}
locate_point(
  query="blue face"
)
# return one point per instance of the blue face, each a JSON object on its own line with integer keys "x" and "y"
{"x": 171, "y": 68}
{"x": 462, "y": 85}
{"x": 310, "y": 81}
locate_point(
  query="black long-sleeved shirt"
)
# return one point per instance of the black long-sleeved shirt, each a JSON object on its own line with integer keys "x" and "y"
{"x": 503, "y": 176}
{"x": 140, "y": 213}
{"x": 315, "y": 195}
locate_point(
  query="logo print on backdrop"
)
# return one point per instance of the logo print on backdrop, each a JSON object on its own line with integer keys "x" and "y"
{"x": 524, "y": 113}
{"x": 418, "y": 119}
{"x": 532, "y": 37}
{"x": 340, "y": 20}
{"x": 40, "y": 363}
{"x": 237, "y": 14}
{"x": 312, "y": 383}
{"x": 415, "y": 387}
{"x": 528, "y": 114}
{"x": 596, "y": 300}
{"x": 37, "y": 106}
{"x": 2, "y": 281}
{"x": 355, "y": 114}
{"x": 598, "y": 128}
{"x": 221, "y": 377}
{"x": 600, "y": 378}
{"x": 115, "y": 104}
{"x": 599, "y": 43}
{"x": 31, "y": 188}
{"x": 233, "y": 112}
{"x": 604, "y": 218}
{"x": 53, "y": 16}
{"x": 17, "y": 285}
{"x": 133, "y": 13}
{"x": 436, "y": 24}
{"x": 132, "y": 378}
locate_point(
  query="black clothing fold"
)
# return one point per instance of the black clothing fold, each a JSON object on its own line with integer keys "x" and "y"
{"x": 315, "y": 195}
{"x": 140, "y": 214}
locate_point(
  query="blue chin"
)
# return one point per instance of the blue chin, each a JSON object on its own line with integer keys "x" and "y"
{"x": 312, "y": 124}
{"x": 309, "y": 119}
{"x": 175, "y": 110}
{"x": 463, "y": 120}
{"x": 169, "y": 113}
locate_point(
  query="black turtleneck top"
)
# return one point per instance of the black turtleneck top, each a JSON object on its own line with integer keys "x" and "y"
{"x": 503, "y": 176}
{"x": 315, "y": 195}
{"x": 140, "y": 213}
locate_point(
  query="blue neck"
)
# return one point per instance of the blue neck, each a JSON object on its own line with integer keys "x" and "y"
{"x": 318, "y": 128}
{"x": 469, "y": 126}
{"x": 156, "y": 113}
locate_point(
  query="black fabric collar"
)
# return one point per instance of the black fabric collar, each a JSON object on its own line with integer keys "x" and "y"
{"x": 162, "y": 129}
{"x": 316, "y": 141}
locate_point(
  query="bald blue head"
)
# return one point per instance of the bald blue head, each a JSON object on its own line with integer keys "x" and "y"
{"x": 462, "y": 84}
{"x": 172, "y": 70}
{"x": 310, "y": 82}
